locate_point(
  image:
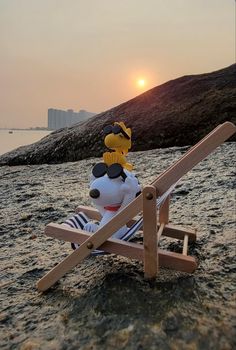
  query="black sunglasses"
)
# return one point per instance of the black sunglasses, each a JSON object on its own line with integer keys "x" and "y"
{"x": 113, "y": 171}
{"x": 115, "y": 129}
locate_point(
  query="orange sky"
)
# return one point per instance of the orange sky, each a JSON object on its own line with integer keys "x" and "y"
{"x": 88, "y": 54}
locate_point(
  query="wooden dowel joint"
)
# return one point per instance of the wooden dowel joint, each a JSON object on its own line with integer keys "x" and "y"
{"x": 149, "y": 196}
{"x": 90, "y": 245}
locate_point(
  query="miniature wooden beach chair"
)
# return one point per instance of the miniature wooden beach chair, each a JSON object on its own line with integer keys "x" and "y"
{"x": 155, "y": 224}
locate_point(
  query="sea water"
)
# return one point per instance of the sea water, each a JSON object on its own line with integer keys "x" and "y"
{"x": 11, "y": 139}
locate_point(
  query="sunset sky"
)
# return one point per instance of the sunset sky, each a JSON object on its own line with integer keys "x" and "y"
{"x": 90, "y": 54}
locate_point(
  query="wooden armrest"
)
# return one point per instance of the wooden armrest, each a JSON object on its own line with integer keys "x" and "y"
{"x": 90, "y": 211}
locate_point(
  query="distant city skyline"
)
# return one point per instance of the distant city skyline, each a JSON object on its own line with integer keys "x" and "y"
{"x": 58, "y": 118}
{"x": 94, "y": 55}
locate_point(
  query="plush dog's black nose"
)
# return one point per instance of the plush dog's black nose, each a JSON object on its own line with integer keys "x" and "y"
{"x": 94, "y": 193}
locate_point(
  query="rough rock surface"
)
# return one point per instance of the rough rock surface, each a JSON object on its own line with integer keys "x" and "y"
{"x": 177, "y": 113}
{"x": 105, "y": 303}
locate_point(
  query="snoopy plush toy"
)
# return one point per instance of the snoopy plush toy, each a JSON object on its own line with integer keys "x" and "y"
{"x": 111, "y": 189}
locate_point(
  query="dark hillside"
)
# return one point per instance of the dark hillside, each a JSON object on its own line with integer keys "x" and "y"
{"x": 177, "y": 113}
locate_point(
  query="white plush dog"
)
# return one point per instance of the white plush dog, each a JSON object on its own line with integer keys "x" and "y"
{"x": 111, "y": 195}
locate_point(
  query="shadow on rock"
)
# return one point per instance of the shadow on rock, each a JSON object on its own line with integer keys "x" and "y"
{"x": 124, "y": 295}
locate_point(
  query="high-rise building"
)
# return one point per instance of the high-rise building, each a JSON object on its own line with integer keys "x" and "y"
{"x": 58, "y": 119}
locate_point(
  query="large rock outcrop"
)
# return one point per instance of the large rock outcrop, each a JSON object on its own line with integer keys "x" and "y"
{"x": 177, "y": 113}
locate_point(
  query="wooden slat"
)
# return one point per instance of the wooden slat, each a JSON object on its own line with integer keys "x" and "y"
{"x": 160, "y": 231}
{"x": 176, "y": 232}
{"x": 149, "y": 232}
{"x": 176, "y": 261}
{"x": 167, "y": 259}
{"x": 164, "y": 211}
{"x": 91, "y": 212}
{"x": 114, "y": 246}
{"x": 197, "y": 153}
{"x": 163, "y": 182}
{"x": 179, "y": 232}
{"x": 185, "y": 245}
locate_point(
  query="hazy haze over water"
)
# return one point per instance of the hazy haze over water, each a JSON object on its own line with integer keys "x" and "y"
{"x": 19, "y": 138}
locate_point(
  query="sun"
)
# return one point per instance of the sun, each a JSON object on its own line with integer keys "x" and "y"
{"x": 141, "y": 82}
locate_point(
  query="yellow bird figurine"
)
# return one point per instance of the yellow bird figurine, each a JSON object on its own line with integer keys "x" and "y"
{"x": 118, "y": 139}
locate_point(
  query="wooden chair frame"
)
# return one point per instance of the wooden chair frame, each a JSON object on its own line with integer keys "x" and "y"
{"x": 148, "y": 253}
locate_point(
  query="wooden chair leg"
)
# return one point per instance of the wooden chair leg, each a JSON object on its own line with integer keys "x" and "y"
{"x": 150, "y": 232}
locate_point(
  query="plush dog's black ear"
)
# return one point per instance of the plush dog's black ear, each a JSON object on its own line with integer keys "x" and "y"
{"x": 99, "y": 170}
{"x": 115, "y": 170}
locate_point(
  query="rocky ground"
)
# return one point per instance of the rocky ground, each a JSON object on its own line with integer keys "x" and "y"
{"x": 105, "y": 303}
